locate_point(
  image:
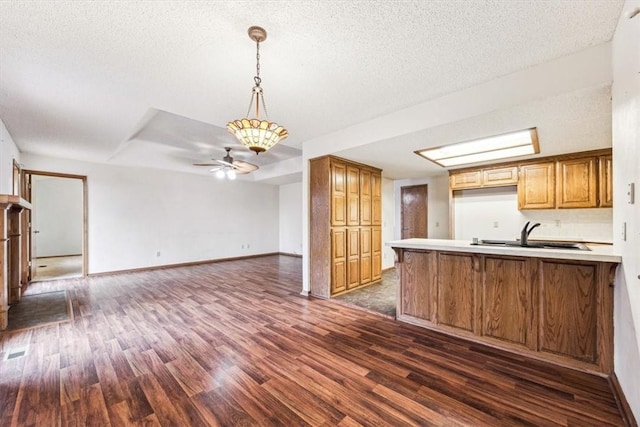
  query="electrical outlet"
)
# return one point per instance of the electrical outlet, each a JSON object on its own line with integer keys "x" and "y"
{"x": 248, "y": 246}
{"x": 157, "y": 253}
{"x": 242, "y": 246}
{"x": 557, "y": 223}
{"x": 495, "y": 224}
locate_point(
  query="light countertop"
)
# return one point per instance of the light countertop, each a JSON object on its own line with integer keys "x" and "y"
{"x": 602, "y": 253}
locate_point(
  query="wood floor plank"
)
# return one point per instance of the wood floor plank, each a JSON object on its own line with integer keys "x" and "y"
{"x": 235, "y": 344}
{"x": 227, "y": 412}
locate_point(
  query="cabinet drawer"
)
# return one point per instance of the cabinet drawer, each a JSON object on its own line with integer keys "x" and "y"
{"x": 470, "y": 179}
{"x": 500, "y": 177}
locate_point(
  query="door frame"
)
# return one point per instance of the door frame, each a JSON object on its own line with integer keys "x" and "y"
{"x": 85, "y": 237}
{"x": 426, "y": 186}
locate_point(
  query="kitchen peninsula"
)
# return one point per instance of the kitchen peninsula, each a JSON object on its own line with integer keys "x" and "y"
{"x": 549, "y": 304}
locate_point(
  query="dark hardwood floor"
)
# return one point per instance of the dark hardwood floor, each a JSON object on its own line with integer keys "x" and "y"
{"x": 234, "y": 343}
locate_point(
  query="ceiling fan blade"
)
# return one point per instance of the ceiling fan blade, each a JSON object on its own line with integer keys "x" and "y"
{"x": 244, "y": 167}
{"x": 215, "y": 162}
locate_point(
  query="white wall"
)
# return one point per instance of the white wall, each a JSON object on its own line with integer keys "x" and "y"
{"x": 492, "y": 213}
{"x": 437, "y": 205}
{"x": 134, "y": 213}
{"x": 626, "y": 169}
{"x": 8, "y": 152}
{"x": 57, "y": 207}
{"x": 388, "y": 222}
{"x": 290, "y": 208}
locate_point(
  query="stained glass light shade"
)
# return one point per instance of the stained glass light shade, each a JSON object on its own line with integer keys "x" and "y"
{"x": 257, "y": 135}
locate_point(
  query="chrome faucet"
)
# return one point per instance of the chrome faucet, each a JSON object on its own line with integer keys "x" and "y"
{"x": 524, "y": 234}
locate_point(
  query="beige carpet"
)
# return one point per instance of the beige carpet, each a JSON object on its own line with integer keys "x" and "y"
{"x": 60, "y": 267}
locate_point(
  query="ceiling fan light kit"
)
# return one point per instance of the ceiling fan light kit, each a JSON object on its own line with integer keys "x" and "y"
{"x": 229, "y": 168}
{"x": 257, "y": 134}
{"x": 226, "y": 172}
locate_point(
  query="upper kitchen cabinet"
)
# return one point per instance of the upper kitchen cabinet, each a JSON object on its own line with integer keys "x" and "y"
{"x": 568, "y": 181}
{"x": 576, "y": 183}
{"x": 338, "y": 194}
{"x": 605, "y": 177}
{"x": 353, "y": 195}
{"x": 498, "y": 177}
{"x": 376, "y": 199}
{"x": 465, "y": 179}
{"x": 484, "y": 178}
{"x": 365, "y": 197}
{"x": 536, "y": 186}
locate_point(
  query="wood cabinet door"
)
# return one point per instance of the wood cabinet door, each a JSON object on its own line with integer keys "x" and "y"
{"x": 413, "y": 211}
{"x": 468, "y": 179}
{"x": 456, "y": 290}
{"x": 365, "y": 197}
{"x": 576, "y": 183}
{"x": 338, "y": 194}
{"x": 507, "y": 300}
{"x": 376, "y": 199}
{"x": 338, "y": 260}
{"x": 568, "y": 310}
{"x": 376, "y": 253}
{"x": 353, "y": 257}
{"x": 606, "y": 181}
{"x": 417, "y": 284}
{"x": 353, "y": 196}
{"x": 536, "y": 186}
{"x": 499, "y": 177}
{"x": 365, "y": 255}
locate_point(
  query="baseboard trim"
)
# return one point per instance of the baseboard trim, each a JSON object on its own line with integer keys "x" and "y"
{"x": 183, "y": 264}
{"x": 57, "y": 256}
{"x": 290, "y": 254}
{"x": 621, "y": 401}
{"x": 384, "y": 270}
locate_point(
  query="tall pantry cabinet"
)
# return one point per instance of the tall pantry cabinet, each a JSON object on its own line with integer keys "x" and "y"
{"x": 345, "y": 225}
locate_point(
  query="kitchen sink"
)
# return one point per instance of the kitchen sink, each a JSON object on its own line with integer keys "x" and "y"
{"x": 534, "y": 244}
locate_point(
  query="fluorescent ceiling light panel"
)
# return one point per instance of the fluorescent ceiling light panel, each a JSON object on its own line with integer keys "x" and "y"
{"x": 514, "y": 144}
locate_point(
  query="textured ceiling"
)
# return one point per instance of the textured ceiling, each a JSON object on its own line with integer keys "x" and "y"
{"x": 77, "y": 77}
{"x": 572, "y": 122}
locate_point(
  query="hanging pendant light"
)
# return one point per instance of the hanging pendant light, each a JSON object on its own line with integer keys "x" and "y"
{"x": 254, "y": 133}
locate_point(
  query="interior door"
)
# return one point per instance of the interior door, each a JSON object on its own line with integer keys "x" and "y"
{"x": 414, "y": 211}
{"x": 28, "y": 195}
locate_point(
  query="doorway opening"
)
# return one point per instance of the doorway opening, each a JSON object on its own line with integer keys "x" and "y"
{"x": 58, "y": 225}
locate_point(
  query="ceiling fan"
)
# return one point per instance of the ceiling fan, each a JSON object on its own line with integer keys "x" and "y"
{"x": 227, "y": 167}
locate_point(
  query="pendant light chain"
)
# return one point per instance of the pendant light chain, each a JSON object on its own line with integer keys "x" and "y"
{"x": 257, "y": 78}
{"x": 257, "y": 90}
